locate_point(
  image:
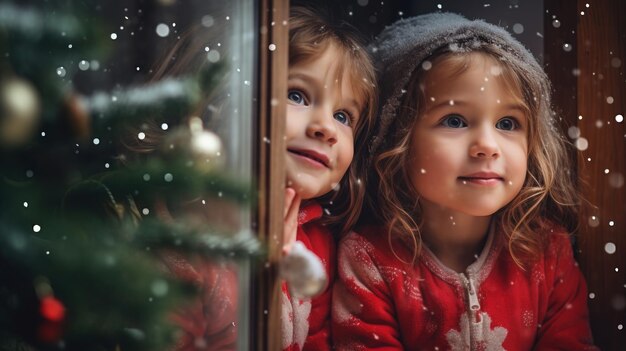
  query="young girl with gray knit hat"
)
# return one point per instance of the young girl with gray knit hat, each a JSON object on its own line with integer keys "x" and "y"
{"x": 462, "y": 244}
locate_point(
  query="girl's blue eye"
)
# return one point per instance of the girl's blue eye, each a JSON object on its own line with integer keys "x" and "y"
{"x": 342, "y": 118}
{"x": 507, "y": 123}
{"x": 453, "y": 121}
{"x": 296, "y": 97}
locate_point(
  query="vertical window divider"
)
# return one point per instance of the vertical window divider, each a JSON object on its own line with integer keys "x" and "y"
{"x": 272, "y": 88}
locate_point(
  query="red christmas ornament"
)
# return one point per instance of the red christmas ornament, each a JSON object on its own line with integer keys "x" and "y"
{"x": 52, "y": 309}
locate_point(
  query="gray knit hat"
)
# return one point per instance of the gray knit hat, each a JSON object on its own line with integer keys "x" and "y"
{"x": 404, "y": 45}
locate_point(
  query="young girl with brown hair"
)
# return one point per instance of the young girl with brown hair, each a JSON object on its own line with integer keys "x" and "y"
{"x": 330, "y": 105}
{"x": 470, "y": 190}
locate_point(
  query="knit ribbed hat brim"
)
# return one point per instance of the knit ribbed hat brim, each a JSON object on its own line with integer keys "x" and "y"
{"x": 403, "y": 46}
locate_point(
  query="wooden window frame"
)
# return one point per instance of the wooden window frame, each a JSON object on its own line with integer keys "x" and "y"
{"x": 602, "y": 31}
{"x": 272, "y": 88}
{"x": 598, "y": 33}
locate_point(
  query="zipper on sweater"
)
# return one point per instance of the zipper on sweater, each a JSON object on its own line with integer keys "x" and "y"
{"x": 472, "y": 294}
{"x": 475, "y": 327}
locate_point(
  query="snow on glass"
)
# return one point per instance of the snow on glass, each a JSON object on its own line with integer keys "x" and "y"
{"x": 61, "y": 71}
{"x": 159, "y": 287}
{"x": 616, "y": 62}
{"x": 610, "y": 248}
{"x": 616, "y": 180}
{"x": 83, "y": 65}
{"x": 574, "y": 133}
{"x": 594, "y": 221}
{"x": 213, "y": 56}
{"x": 207, "y": 21}
{"x": 582, "y": 144}
{"x": 162, "y": 30}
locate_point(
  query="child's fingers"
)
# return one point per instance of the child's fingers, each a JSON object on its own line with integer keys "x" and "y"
{"x": 291, "y": 224}
{"x": 294, "y": 209}
{"x": 290, "y": 193}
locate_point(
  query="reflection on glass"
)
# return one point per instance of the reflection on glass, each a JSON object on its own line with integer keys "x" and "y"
{"x": 125, "y": 134}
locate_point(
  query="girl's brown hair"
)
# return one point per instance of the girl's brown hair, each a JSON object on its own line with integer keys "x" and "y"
{"x": 548, "y": 195}
{"x": 310, "y": 34}
{"x": 186, "y": 57}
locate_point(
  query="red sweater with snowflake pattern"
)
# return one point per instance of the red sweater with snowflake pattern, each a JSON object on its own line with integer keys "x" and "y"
{"x": 306, "y": 322}
{"x": 383, "y": 302}
{"x": 209, "y": 322}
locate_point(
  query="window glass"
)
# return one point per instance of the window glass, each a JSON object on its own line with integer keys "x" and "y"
{"x": 126, "y": 134}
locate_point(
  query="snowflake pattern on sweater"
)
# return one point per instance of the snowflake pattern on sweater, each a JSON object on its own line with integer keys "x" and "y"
{"x": 487, "y": 339}
{"x": 295, "y": 317}
{"x": 383, "y": 301}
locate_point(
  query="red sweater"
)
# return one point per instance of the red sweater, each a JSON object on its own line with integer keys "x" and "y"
{"x": 383, "y": 302}
{"x": 209, "y": 322}
{"x": 306, "y": 322}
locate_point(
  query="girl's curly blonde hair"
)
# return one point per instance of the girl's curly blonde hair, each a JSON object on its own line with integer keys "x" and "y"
{"x": 548, "y": 195}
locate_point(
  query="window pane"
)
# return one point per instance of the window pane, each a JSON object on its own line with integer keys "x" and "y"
{"x": 126, "y": 133}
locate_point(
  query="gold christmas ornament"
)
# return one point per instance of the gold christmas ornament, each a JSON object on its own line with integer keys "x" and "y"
{"x": 201, "y": 146}
{"x": 19, "y": 111}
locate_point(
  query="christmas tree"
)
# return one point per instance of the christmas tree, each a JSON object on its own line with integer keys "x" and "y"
{"x": 100, "y": 191}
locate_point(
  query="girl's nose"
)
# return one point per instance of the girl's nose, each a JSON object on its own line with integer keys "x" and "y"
{"x": 323, "y": 126}
{"x": 484, "y": 145}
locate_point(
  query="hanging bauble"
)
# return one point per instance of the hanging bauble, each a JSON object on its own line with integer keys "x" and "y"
{"x": 303, "y": 271}
{"x": 202, "y": 147}
{"x": 52, "y": 312}
{"x": 52, "y": 309}
{"x": 19, "y": 111}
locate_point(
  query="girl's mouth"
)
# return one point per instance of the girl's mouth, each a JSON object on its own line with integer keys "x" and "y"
{"x": 312, "y": 156}
{"x": 482, "y": 178}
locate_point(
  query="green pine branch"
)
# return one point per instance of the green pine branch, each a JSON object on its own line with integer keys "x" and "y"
{"x": 106, "y": 287}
